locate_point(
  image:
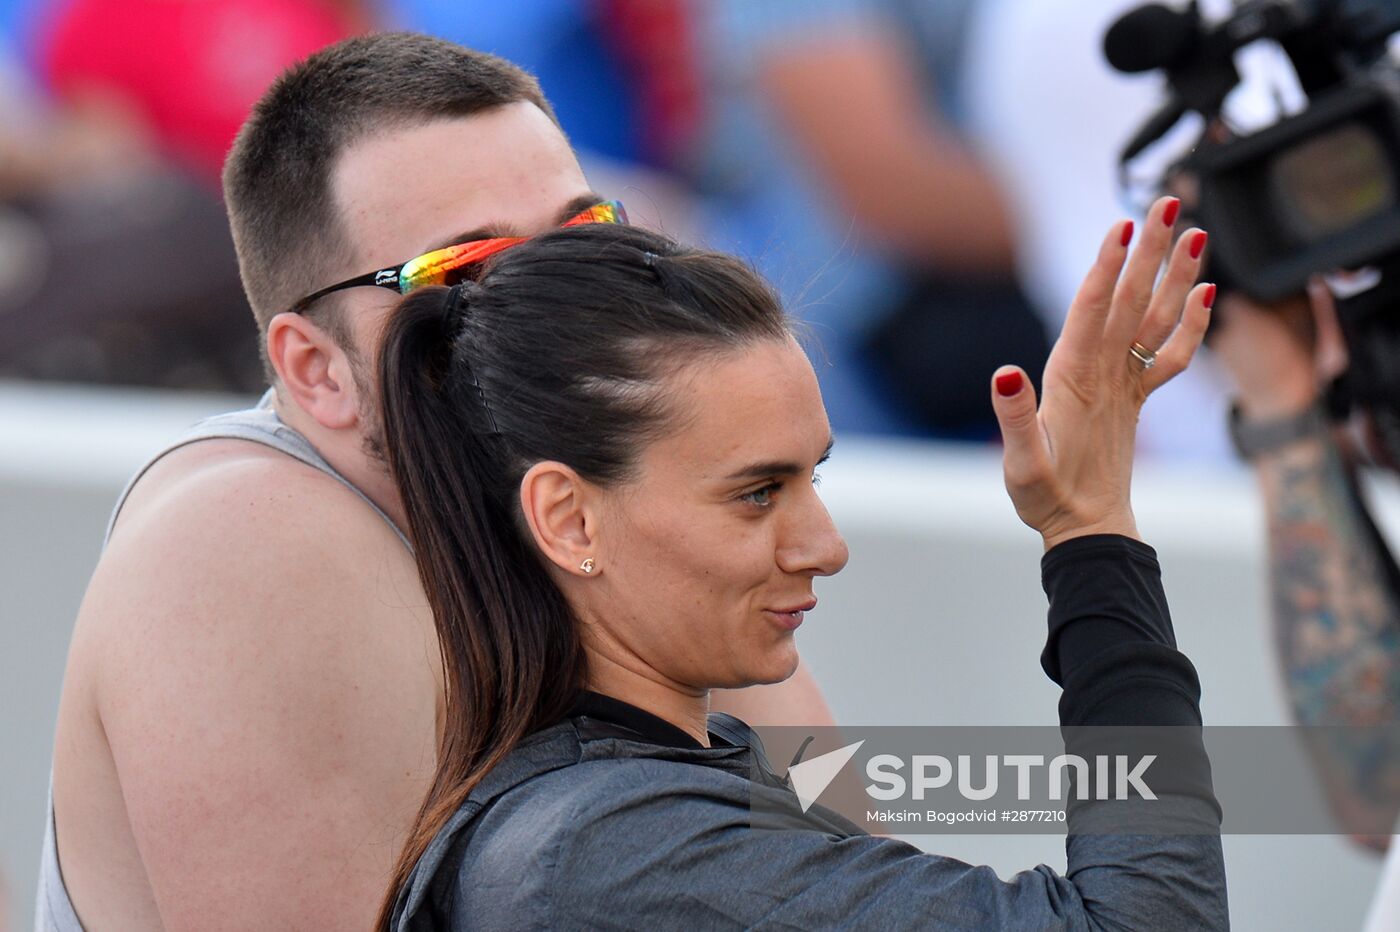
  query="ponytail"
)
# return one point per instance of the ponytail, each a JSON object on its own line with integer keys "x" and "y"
{"x": 505, "y": 631}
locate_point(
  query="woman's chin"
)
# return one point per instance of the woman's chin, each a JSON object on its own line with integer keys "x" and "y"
{"x": 776, "y": 665}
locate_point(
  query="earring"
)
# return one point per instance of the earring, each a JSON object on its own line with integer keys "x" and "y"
{"x": 587, "y": 565}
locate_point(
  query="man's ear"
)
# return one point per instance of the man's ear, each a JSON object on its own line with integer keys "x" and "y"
{"x": 314, "y": 370}
{"x": 561, "y": 509}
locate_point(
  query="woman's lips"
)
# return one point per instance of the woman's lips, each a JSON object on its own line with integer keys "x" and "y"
{"x": 790, "y": 617}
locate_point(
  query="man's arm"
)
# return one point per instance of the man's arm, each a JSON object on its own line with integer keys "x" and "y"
{"x": 849, "y": 96}
{"x": 1336, "y": 613}
{"x": 268, "y": 691}
{"x": 1337, "y": 625}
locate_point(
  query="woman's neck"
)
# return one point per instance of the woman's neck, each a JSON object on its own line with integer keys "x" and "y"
{"x": 687, "y": 711}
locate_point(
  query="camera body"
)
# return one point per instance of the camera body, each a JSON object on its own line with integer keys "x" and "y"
{"x": 1315, "y": 192}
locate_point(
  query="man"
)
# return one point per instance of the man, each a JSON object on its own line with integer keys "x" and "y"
{"x": 249, "y": 713}
{"x": 839, "y": 153}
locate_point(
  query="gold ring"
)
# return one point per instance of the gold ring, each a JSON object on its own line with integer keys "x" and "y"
{"x": 1143, "y": 355}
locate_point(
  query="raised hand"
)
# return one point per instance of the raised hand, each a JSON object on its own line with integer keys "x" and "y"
{"x": 1069, "y": 463}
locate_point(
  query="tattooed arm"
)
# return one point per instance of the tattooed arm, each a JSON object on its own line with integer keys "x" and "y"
{"x": 1336, "y": 602}
{"x": 1337, "y": 624}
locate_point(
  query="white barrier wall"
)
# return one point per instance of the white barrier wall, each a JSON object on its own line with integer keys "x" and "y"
{"x": 939, "y": 617}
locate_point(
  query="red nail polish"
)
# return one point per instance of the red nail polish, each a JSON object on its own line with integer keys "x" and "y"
{"x": 1009, "y": 383}
{"x": 1173, "y": 208}
{"x": 1198, "y": 244}
{"x": 1127, "y": 233}
{"x": 1209, "y": 299}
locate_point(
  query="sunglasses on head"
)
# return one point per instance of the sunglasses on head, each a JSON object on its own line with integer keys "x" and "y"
{"x": 453, "y": 264}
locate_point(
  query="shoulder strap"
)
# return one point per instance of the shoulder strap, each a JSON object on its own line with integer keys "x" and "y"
{"x": 260, "y": 425}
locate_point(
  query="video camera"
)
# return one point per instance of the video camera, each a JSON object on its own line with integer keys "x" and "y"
{"x": 1315, "y": 192}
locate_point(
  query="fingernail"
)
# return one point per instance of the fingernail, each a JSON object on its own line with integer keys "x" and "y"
{"x": 1127, "y": 233}
{"x": 1009, "y": 383}
{"x": 1173, "y": 208}
{"x": 1209, "y": 299}
{"x": 1198, "y": 244}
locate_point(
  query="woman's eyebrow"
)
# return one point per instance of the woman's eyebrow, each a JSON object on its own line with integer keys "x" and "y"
{"x": 777, "y": 467}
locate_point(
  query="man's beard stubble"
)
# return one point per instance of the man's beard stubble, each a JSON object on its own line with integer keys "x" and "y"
{"x": 373, "y": 443}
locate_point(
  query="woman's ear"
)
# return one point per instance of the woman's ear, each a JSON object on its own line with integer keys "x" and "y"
{"x": 314, "y": 370}
{"x": 561, "y": 509}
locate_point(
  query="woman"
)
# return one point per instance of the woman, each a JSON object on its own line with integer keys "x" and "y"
{"x": 606, "y": 450}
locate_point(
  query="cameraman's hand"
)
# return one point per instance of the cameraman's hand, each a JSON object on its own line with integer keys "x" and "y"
{"x": 1280, "y": 354}
{"x": 1069, "y": 464}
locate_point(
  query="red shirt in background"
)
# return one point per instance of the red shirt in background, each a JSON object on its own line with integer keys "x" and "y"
{"x": 191, "y": 69}
{"x": 653, "y": 39}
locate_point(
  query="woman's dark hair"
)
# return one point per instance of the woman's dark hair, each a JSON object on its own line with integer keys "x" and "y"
{"x": 561, "y": 351}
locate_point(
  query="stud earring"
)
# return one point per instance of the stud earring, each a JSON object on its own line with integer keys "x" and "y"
{"x": 587, "y": 565}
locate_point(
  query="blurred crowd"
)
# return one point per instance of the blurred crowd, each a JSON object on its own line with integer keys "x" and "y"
{"x": 922, "y": 179}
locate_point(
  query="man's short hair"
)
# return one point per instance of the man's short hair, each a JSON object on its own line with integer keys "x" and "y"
{"x": 277, "y": 180}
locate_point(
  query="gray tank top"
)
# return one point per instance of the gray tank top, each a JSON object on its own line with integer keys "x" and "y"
{"x": 53, "y": 910}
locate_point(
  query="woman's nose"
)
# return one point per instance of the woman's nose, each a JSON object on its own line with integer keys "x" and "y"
{"x": 811, "y": 543}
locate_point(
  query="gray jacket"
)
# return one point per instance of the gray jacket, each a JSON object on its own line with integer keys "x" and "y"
{"x": 585, "y": 826}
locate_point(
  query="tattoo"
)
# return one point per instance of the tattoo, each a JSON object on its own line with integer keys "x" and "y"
{"x": 1337, "y": 623}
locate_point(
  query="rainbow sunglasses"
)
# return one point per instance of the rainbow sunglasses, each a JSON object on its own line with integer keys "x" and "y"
{"x": 453, "y": 264}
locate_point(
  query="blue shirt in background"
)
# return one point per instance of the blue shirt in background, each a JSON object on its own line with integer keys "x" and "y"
{"x": 563, "y": 43}
{"x": 764, "y": 202}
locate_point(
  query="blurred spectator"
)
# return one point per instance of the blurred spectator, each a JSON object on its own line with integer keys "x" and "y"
{"x": 836, "y": 157}
{"x": 42, "y": 150}
{"x": 116, "y": 263}
{"x": 1053, "y": 117}
{"x": 189, "y": 71}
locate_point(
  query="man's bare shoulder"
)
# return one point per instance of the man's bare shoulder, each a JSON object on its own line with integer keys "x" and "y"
{"x": 258, "y": 651}
{"x": 231, "y": 539}
{"x": 226, "y": 480}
